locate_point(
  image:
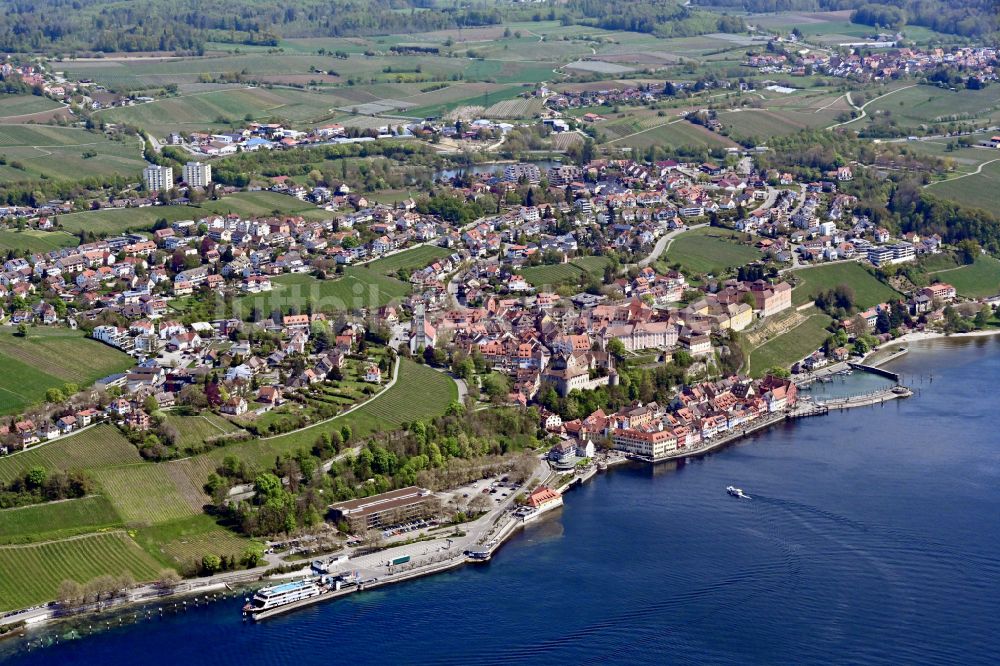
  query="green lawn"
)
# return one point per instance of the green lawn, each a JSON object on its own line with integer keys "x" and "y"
{"x": 408, "y": 260}
{"x": 868, "y": 291}
{"x": 561, "y": 274}
{"x": 56, "y": 520}
{"x": 710, "y": 250}
{"x": 29, "y": 366}
{"x": 31, "y": 574}
{"x": 33, "y": 240}
{"x": 357, "y": 288}
{"x": 978, "y": 280}
{"x": 785, "y": 350}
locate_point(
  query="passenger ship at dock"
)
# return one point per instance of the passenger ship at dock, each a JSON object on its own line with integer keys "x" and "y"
{"x": 277, "y": 599}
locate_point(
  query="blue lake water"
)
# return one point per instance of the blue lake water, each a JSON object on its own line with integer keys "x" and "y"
{"x": 873, "y": 537}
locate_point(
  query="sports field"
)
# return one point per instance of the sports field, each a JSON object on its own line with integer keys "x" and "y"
{"x": 868, "y": 291}
{"x": 29, "y": 366}
{"x": 710, "y": 250}
{"x": 30, "y": 574}
{"x": 64, "y": 153}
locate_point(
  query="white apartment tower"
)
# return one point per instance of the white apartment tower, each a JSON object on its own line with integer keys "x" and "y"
{"x": 158, "y": 178}
{"x": 197, "y": 174}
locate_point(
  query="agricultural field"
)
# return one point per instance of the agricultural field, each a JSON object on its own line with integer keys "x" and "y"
{"x": 419, "y": 393}
{"x": 560, "y": 274}
{"x": 182, "y": 543}
{"x": 515, "y": 108}
{"x": 64, "y": 153}
{"x": 786, "y": 349}
{"x": 93, "y": 448}
{"x": 641, "y": 128}
{"x": 407, "y": 260}
{"x": 30, "y": 366}
{"x": 357, "y": 288}
{"x": 929, "y": 104}
{"x": 709, "y": 250}
{"x": 23, "y": 105}
{"x": 978, "y": 280}
{"x": 220, "y": 108}
{"x": 33, "y": 240}
{"x": 978, "y": 190}
{"x": 437, "y": 103}
{"x": 868, "y": 291}
{"x": 121, "y": 220}
{"x": 195, "y": 430}
{"x": 143, "y": 493}
{"x": 31, "y": 574}
{"x": 57, "y": 520}
{"x": 782, "y": 120}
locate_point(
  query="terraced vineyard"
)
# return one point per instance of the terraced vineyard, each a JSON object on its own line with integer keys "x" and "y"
{"x": 56, "y": 520}
{"x": 515, "y": 108}
{"x": 96, "y": 447}
{"x": 143, "y": 493}
{"x": 31, "y": 574}
{"x": 182, "y": 543}
{"x": 195, "y": 430}
{"x": 48, "y": 348}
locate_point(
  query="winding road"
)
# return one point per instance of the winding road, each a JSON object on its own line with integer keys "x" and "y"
{"x": 862, "y": 107}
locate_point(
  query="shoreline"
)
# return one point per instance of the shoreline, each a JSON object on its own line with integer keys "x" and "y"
{"x": 501, "y": 530}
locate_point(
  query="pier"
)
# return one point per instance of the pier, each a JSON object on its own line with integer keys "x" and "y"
{"x": 867, "y": 399}
{"x": 874, "y": 369}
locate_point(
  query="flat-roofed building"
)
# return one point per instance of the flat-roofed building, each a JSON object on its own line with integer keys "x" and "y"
{"x": 197, "y": 174}
{"x": 158, "y": 177}
{"x": 391, "y": 508}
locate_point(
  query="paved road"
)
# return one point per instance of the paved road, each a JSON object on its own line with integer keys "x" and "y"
{"x": 862, "y": 107}
{"x": 664, "y": 242}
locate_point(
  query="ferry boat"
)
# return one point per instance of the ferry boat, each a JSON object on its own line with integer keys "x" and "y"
{"x": 737, "y": 492}
{"x": 272, "y": 600}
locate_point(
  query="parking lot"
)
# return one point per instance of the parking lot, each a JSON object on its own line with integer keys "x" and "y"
{"x": 498, "y": 488}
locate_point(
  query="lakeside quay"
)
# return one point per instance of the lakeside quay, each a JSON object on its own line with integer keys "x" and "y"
{"x": 487, "y": 535}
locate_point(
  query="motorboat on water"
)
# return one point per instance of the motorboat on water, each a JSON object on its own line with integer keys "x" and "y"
{"x": 737, "y": 492}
